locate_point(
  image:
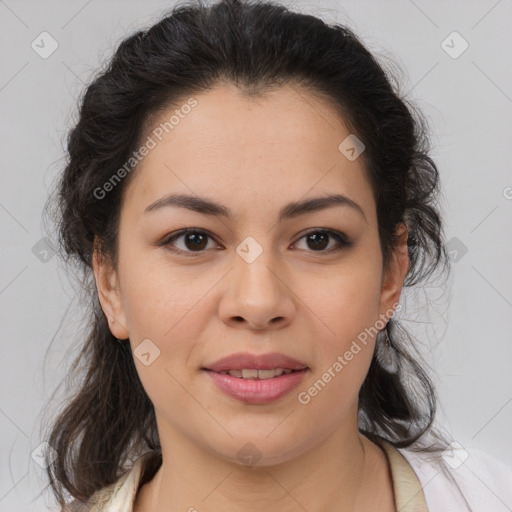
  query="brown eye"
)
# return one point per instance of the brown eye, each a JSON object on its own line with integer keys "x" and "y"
{"x": 318, "y": 241}
{"x": 193, "y": 241}
{"x": 196, "y": 241}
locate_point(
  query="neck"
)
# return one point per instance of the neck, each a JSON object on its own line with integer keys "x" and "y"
{"x": 193, "y": 478}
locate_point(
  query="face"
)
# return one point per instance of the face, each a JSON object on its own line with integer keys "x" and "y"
{"x": 307, "y": 285}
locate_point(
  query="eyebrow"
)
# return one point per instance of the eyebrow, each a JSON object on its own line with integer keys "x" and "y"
{"x": 290, "y": 211}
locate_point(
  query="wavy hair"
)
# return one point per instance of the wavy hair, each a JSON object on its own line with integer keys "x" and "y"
{"x": 257, "y": 46}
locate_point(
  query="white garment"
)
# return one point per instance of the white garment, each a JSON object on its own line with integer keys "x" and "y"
{"x": 485, "y": 482}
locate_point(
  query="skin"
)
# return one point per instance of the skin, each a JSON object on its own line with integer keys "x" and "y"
{"x": 297, "y": 298}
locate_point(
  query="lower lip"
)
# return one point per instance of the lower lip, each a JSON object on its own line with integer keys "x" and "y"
{"x": 252, "y": 391}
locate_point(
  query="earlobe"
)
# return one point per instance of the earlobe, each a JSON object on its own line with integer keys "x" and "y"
{"x": 109, "y": 295}
{"x": 395, "y": 276}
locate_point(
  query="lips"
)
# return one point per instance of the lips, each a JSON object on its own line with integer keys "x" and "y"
{"x": 256, "y": 379}
{"x": 247, "y": 361}
{"x": 257, "y": 391}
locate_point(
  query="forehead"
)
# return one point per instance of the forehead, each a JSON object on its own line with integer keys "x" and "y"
{"x": 238, "y": 149}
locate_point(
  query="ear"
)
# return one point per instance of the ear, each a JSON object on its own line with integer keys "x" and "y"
{"x": 394, "y": 276}
{"x": 107, "y": 284}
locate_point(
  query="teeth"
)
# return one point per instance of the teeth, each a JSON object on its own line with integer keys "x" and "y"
{"x": 267, "y": 374}
{"x": 257, "y": 374}
{"x": 251, "y": 374}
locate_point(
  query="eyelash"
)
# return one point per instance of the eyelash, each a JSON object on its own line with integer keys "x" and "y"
{"x": 342, "y": 240}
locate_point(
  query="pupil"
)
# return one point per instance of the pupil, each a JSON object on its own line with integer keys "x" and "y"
{"x": 196, "y": 240}
{"x": 314, "y": 237}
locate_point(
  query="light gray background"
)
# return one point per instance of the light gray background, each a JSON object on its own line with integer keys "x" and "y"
{"x": 468, "y": 100}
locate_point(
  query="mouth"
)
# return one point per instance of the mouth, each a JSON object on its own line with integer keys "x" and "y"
{"x": 254, "y": 386}
{"x": 255, "y": 374}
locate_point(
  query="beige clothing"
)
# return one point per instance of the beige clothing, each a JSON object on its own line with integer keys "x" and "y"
{"x": 120, "y": 496}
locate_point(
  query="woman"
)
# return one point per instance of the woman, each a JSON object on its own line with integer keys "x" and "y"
{"x": 247, "y": 195}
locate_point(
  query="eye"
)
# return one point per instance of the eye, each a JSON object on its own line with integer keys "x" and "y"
{"x": 318, "y": 239}
{"x": 196, "y": 241}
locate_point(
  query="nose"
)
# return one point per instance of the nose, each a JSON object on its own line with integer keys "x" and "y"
{"x": 257, "y": 296}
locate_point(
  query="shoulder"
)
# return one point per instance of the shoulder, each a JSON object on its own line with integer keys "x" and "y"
{"x": 461, "y": 477}
{"x": 117, "y": 497}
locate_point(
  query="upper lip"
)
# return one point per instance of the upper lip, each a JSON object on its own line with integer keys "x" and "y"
{"x": 245, "y": 360}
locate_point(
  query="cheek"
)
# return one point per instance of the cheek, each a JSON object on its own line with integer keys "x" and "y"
{"x": 347, "y": 301}
{"x": 344, "y": 350}
{"x": 160, "y": 316}
{"x": 348, "y": 306}
{"x": 168, "y": 308}
{"x": 158, "y": 297}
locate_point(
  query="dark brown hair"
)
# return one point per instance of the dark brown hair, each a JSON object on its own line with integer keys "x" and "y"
{"x": 257, "y": 46}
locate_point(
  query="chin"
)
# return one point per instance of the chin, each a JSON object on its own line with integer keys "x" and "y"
{"x": 259, "y": 450}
